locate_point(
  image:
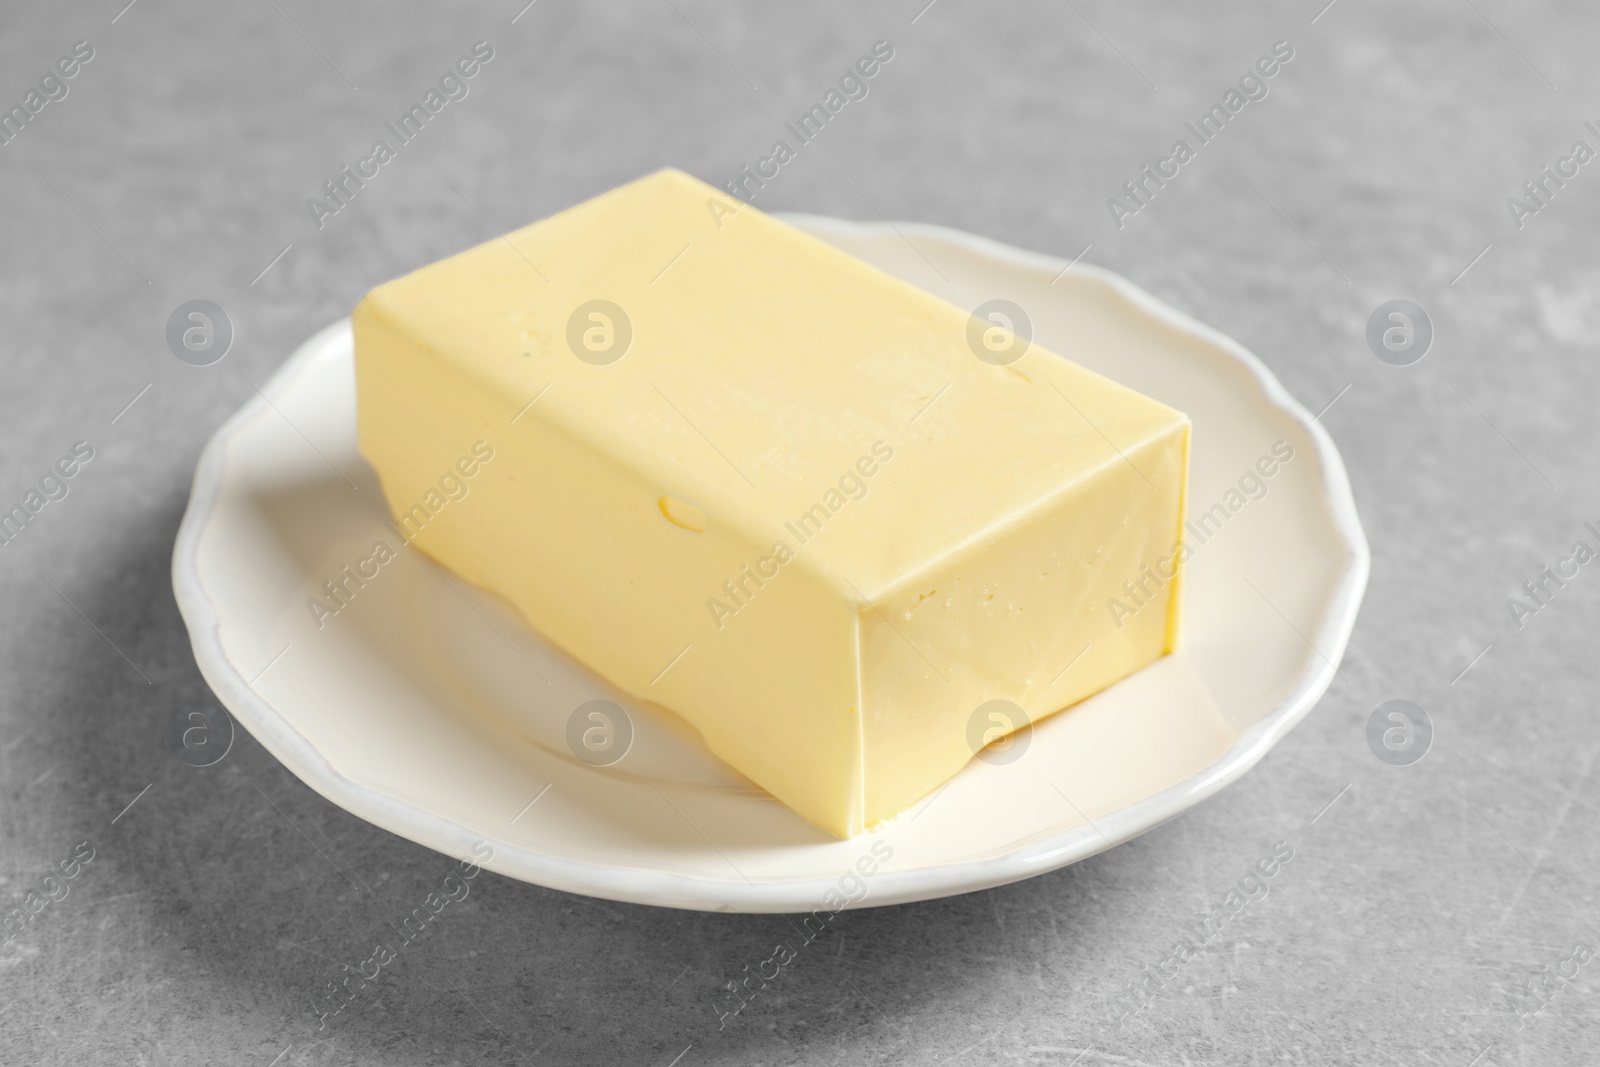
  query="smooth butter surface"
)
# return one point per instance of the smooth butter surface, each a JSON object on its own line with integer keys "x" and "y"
{"x": 798, "y": 510}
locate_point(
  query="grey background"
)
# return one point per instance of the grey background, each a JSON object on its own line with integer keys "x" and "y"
{"x": 1380, "y": 163}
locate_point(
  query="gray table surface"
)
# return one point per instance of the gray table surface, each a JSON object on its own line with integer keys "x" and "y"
{"x": 1419, "y": 905}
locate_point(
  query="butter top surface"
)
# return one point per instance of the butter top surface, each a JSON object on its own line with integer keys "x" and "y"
{"x": 763, "y": 366}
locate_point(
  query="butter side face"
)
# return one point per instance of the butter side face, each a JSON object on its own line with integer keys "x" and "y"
{"x": 759, "y": 493}
{"x": 1021, "y": 616}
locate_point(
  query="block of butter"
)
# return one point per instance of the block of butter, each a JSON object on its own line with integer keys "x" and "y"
{"x": 749, "y": 478}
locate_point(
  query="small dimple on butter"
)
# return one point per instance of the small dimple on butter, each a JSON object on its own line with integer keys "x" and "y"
{"x": 682, "y": 514}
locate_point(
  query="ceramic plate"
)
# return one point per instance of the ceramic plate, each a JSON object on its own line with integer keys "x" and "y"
{"x": 427, "y": 707}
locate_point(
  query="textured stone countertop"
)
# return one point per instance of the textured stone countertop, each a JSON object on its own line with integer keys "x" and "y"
{"x": 1418, "y": 907}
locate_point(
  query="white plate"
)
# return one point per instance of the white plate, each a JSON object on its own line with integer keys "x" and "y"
{"x": 429, "y": 709}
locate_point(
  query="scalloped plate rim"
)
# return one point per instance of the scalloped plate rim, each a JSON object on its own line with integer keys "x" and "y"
{"x": 654, "y": 887}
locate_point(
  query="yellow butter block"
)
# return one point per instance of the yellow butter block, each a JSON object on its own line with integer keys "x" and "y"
{"x": 747, "y": 477}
